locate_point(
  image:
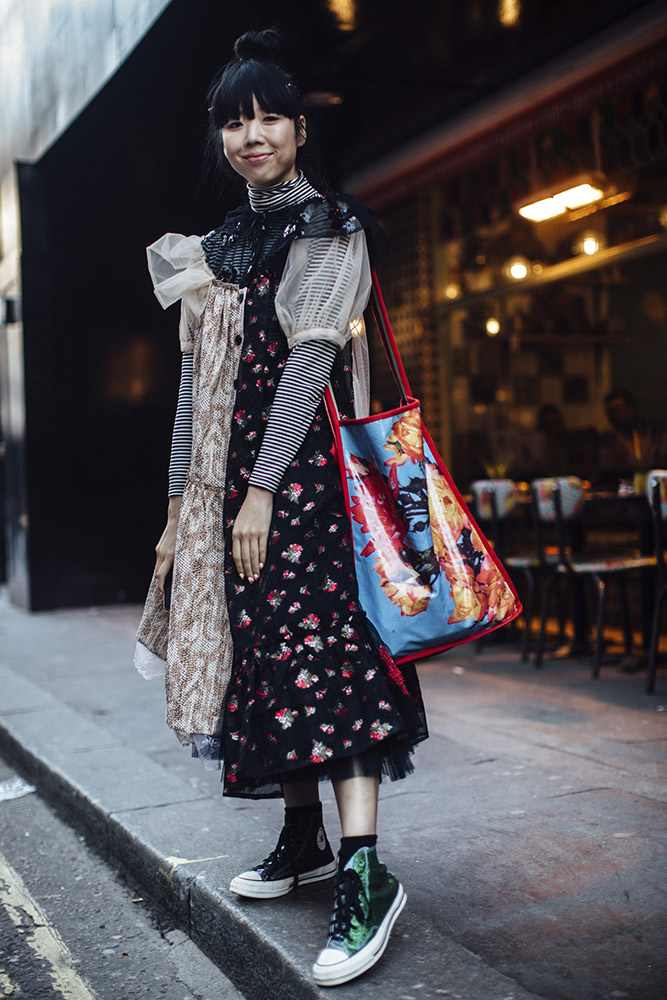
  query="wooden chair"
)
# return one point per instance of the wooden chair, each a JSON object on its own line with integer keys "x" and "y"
{"x": 559, "y": 501}
{"x": 656, "y": 489}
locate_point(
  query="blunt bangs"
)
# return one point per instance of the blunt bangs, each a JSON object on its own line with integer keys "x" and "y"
{"x": 233, "y": 95}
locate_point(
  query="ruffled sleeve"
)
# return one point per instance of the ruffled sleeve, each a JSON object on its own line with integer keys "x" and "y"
{"x": 323, "y": 292}
{"x": 324, "y": 288}
{"x": 179, "y": 270}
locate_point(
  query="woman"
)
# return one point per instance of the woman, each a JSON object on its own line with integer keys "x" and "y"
{"x": 271, "y": 664}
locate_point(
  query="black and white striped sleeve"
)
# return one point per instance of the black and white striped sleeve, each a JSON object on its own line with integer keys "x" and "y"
{"x": 303, "y": 381}
{"x": 300, "y": 390}
{"x": 181, "y": 441}
{"x": 325, "y": 285}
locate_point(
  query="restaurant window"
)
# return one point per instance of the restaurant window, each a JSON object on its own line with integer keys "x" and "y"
{"x": 537, "y": 321}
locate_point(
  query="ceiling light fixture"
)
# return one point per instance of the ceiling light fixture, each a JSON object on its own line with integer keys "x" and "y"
{"x": 585, "y": 189}
{"x": 509, "y": 12}
{"x": 345, "y": 12}
{"x": 589, "y": 244}
{"x": 517, "y": 268}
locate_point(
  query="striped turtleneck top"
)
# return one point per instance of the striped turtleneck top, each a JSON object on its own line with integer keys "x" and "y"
{"x": 306, "y": 372}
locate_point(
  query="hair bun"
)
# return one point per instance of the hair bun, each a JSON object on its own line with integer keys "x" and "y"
{"x": 263, "y": 45}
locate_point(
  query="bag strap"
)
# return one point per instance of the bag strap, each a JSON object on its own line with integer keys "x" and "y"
{"x": 388, "y": 340}
{"x": 391, "y": 350}
{"x": 331, "y": 408}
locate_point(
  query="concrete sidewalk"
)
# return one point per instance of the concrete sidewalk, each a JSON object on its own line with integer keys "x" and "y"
{"x": 530, "y": 839}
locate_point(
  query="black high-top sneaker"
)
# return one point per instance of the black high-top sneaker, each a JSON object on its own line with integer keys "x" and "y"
{"x": 302, "y": 855}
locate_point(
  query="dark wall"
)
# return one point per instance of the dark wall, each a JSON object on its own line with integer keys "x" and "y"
{"x": 640, "y": 366}
{"x": 101, "y": 357}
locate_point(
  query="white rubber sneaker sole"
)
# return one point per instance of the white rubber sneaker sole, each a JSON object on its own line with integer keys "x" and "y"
{"x": 250, "y": 883}
{"x": 333, "y": 967}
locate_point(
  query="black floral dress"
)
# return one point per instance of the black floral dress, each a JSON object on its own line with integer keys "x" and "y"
{"x": 312, "y": 686}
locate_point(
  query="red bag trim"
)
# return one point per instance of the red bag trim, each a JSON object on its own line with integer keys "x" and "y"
{"x": 387, "y": 334}
{"x": 411, "y": 404}
{"x": 391, "y": 350}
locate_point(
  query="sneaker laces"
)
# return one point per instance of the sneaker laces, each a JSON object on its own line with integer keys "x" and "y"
{"x": 282, "y": 852}
{"x": 347, "y": 903}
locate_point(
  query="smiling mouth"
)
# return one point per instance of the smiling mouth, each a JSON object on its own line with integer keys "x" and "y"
{"x": 257, "y": 157}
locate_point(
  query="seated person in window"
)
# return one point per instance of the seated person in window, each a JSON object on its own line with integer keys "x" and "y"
{"x": 550, "y": 425}
{"x": 633, "y": 443}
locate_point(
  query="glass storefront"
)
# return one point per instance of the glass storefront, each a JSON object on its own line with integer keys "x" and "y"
{"x": 515, "y": 327}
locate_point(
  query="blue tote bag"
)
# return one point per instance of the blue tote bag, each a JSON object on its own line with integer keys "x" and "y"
{"x": 428, "y": 578}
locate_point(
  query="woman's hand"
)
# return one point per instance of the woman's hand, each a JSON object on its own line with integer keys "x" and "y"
{"x": 251, "y": 532}
{"x": 164, "y": 550}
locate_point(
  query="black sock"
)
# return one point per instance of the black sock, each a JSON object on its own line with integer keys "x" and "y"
{"x": 294, "y": 813}
{"x": 350, "y": 846}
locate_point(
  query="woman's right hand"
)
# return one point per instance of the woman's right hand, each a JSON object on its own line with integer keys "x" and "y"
{"x": 165, "y": 548}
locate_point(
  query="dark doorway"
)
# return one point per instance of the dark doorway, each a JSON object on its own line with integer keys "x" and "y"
{"x": 101, "y": 358}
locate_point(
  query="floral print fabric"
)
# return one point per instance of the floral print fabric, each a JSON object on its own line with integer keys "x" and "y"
{"x": 437, "y": 581}
{"x": 311, "y": 682}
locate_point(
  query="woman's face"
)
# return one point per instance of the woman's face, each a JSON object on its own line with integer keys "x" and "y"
{"x": 263, "y": 149}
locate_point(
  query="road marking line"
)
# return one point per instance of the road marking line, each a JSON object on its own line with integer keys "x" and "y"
{"x": 27, "y": 915}
{"x": 173, "y": 861}
{"x": 7, "y": 988}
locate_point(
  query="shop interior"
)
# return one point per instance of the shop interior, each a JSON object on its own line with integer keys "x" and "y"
{"x": 548, "y": 299}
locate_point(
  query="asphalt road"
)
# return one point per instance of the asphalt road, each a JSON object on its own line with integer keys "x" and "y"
{"x": 70, "y": 929}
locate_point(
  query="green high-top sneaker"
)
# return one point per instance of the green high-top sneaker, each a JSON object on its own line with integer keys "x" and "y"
{"x": 368, "y": 900}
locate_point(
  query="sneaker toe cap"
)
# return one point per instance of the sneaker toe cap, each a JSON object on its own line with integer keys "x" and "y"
{"x": 330, "y": 957}
{"x": 249, "y": 876}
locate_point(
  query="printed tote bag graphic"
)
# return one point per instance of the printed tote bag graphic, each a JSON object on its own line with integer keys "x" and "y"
{"x": 428, "y": 579}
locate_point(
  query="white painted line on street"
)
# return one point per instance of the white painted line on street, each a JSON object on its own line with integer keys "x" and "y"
{"x": 26, "y": 914}
{"x": 14, "y": 789}
{"x": 7, "y": 987}
{"x": 173, "y": 861}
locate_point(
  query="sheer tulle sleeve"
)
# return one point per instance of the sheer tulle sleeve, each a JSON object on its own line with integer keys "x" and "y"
{"x": 322, "y": 296}
{"x": 325, "y": 285}
{"x": 179, "y": 271}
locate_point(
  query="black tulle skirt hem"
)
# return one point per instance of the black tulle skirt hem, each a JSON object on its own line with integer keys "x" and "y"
{"x": 391, "y": 760}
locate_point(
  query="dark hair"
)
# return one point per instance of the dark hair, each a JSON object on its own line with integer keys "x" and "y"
{"x": 545, "y": 416}
{"x": 255, "y": 71}
{"x": 628, "y": 397}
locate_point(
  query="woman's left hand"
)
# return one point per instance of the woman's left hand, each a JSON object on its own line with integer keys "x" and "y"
{"x": 251, "y": 532}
